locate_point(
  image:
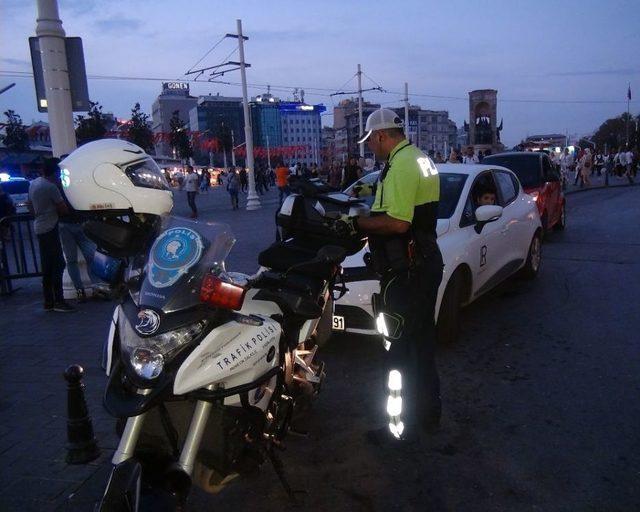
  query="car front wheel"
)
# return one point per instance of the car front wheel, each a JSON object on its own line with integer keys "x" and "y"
{"x": 534, "y": 258}
{"x": 448, "y": 326}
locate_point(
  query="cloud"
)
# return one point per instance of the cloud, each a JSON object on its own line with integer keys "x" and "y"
{"x": 118, "y": 24}
{"x": 598, "y": 72}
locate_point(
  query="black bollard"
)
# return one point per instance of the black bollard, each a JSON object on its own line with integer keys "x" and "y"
{"x": 82, "y": 446}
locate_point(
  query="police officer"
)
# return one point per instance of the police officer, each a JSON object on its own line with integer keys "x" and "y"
{"x": 404, "y": 253}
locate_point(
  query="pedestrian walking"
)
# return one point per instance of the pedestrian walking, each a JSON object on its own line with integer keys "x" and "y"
{"x": 6, "y": 208}
{"x": 566, "y": 165}
{"x": 282, "y": 180}
{"x": 404, "y": 253}
{"x": 233, "y": 187}
{"x": 630, "y": 168}
{"x": 586, "y": 164}
{"x": 244, "y": 180}
{"x": 191, "y": 186}
{"x": 470, "y": 157}
{"x": 205, "y": 181}
{"x": 453, "y": 157}
{"x": 352, "y": 173}
{"x": 46, "y": 204}
{"x": 335, "y": 175}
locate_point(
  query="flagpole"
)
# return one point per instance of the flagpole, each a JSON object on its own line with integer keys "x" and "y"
{"x": 628, "y": 101}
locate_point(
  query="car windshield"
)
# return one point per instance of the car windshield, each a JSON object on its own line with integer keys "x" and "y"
{"x": 451, "y": 185}
{"x": 526, "y": 167}
{"x": 16, "y": 187}
{"x": 181, "y": 255}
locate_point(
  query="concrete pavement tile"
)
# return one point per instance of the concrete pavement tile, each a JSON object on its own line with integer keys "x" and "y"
{"x": 47, "y": 488}
{"x": 26, "y": 505}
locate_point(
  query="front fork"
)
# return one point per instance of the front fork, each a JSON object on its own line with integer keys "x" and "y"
{"x": 123, "y": 489}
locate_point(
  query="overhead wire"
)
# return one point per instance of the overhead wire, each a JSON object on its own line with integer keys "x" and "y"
{"x": 208, "y": 52}
{"x": 309, "y": 90}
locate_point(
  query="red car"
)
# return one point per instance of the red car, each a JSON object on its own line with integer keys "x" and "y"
{"x": 541, "y": 179}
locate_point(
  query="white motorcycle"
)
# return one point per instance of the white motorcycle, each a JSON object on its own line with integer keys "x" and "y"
{"x": 206, "y": 368}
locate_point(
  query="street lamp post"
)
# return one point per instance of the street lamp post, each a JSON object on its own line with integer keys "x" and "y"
{"x": 51, "y": 38}
{"x": 253, "y": 203}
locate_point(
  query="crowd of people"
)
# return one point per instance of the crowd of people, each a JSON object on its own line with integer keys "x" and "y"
{"x": 586, "y": 162}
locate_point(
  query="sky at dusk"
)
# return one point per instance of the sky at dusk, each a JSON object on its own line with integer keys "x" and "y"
{"x": 550, "y": 53}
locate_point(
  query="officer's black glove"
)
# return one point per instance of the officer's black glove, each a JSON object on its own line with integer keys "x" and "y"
{"x": 344, "y": 226}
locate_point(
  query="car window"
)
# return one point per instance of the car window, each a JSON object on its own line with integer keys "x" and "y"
{"x": 484, "y": 183}
{"x": 505, "y": 186}
{"x": 451, "y": 186}
{"x": 16, "y": 187}
{"x": 367, "y": 179}
{"x": 526, "y": 167}
{"x": 516, "y": 184}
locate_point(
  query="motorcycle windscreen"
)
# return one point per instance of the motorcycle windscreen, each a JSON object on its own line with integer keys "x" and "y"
{"x": 182, "y": 254}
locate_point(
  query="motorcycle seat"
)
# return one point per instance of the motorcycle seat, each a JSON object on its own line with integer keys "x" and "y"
{"x": 294, "y": 259}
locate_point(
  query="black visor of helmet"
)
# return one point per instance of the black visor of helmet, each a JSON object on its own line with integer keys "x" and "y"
{"x": 147, "y": 174}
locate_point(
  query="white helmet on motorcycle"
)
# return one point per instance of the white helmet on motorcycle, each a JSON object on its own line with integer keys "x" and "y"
{"x": 114, "y": 176}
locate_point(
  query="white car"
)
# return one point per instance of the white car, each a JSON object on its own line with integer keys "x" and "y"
{"x": 481, "y": 246}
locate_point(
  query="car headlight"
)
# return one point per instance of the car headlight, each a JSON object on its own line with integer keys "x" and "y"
{"x": 148, "y": 356}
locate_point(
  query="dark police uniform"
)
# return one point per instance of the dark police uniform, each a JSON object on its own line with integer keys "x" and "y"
{"x": 410, "y": 268}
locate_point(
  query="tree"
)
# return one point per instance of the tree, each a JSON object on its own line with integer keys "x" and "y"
{"x": 138, "y": 130}
{"x": 91, "y": 127}
{"x": 613, "y": 132}
{"x": 179, "y": 137}
{"x": 15, "y": 137}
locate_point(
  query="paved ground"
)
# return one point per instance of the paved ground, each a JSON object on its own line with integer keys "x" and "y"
{"x": 540, "y": 391}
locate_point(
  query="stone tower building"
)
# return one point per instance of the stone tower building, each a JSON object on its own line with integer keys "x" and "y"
{"x": 484, "y": 132}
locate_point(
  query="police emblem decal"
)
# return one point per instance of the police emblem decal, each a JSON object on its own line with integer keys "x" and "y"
{"x": 173, "y": 253}
{"x": 148, "y": 322}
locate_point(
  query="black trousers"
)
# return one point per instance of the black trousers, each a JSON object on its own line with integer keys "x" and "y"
{"x": 412, "y": 295}
{"x": 191, "y": 199}
{"x": 52, "y": 263}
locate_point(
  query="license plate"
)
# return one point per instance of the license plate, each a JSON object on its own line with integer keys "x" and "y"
{"x": 338, "y": 323}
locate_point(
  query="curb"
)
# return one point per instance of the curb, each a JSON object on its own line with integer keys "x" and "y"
{"x": 600, "y": 187}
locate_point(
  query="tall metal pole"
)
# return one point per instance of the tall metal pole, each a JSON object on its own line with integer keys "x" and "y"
{"x": 628, "y": 115}
{"x": 253, "y": 203}
{"x": 406, "y": 110}
{"x": 233, "y": 152}
{"x": 51, "y": 37}
{"x": 360, "y": 126}
{"x": 268, "y": 153}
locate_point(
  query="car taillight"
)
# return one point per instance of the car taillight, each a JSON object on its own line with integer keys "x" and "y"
{"x": 221, "y": 294}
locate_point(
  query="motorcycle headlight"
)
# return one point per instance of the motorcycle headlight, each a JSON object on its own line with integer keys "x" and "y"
{"x": 148, "y": 356}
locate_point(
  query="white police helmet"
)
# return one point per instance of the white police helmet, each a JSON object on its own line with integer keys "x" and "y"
{"x": 114, "y": 176}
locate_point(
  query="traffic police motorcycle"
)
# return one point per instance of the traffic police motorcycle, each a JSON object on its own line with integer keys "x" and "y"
{"x": 206, "y": 368}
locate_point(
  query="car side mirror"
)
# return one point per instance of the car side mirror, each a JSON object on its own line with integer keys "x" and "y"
{"x": 486, "y": 214}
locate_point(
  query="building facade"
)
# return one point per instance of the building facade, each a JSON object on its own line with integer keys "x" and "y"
{"x": 174, "y": 97}
{"x": 266, "y": 121}
{"x": 345, "y": 116}
{"x": 220, "y": 119}
{"x": 301, "y": 129}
